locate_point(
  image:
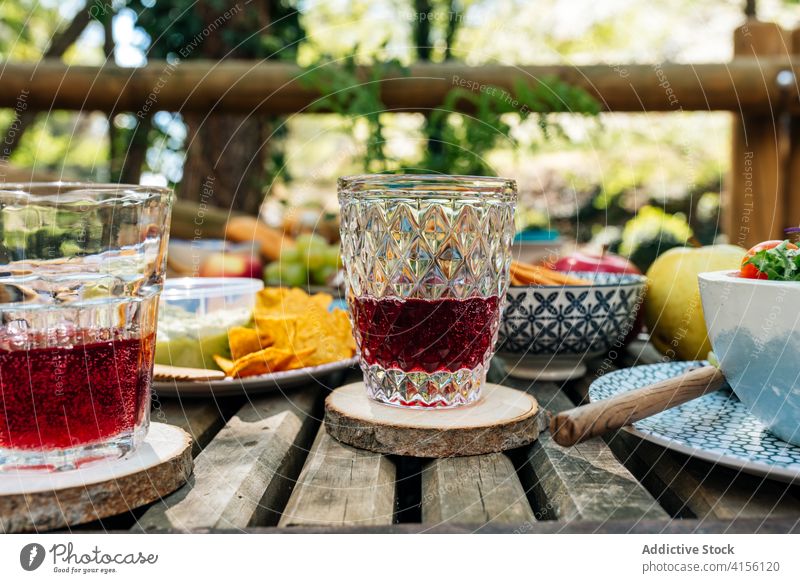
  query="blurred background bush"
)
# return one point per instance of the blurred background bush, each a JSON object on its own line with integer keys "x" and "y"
{"x": 635, "y": 183}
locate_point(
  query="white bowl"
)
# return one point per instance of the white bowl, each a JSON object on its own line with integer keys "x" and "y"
{"x": 754, "y": 328}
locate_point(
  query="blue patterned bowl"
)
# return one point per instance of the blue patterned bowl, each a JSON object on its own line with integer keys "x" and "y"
{"x": 754, "y": 328}
{"x": 547, "y": 332}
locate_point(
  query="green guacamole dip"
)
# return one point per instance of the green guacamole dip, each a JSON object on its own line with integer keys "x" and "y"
{"x": 188, "y": 339}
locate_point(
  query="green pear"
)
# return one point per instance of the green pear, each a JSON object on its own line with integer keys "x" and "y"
{"x": 673, "y": 310}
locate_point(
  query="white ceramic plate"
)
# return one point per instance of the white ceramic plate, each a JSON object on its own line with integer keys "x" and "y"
{"x": 267, "y": 383}
{"x": 716, "y": 427}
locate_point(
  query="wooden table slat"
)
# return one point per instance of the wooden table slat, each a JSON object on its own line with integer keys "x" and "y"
{"x": 586, "y": 482}
{"x": 200, "y": 419}
{"x": 482, "y": 489}
{"x": 708, "y": 491}
{"x": 343, "y": 486}
{"x": 583, "y": 482}
{"x": 242, "y": 478}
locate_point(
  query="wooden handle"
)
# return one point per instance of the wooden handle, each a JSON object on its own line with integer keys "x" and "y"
{"x": 582, "y": 423}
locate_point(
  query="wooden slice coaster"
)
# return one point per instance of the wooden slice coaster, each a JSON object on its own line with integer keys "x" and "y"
{"x": 45, "y": 500}
{"x": 502, "y": 419}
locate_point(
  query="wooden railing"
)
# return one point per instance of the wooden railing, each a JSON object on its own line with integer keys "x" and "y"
{"x": 759, "y": 87}
{"x": 742, "y": 85}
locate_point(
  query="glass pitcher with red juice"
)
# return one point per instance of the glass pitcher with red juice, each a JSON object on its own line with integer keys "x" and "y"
{"x": 81, "y": 269}
{"x": 427, "y": 261}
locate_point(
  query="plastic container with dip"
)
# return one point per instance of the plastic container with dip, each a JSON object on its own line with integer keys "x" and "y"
{"x": 195, "y": 315}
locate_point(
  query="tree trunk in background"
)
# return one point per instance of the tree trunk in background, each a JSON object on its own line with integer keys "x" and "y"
{"x": 225, "y": 162}
{"x": 127, "y": 153}
{"x": 455, "y": 15}
{"x": 226, "y": 158}
{"x": 132, "y": 160}
{"x": 422, "y": 29}
{"x": 423, "y": 41}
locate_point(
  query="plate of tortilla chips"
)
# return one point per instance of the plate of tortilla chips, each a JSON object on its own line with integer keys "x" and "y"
{"x": 291, "y": 339}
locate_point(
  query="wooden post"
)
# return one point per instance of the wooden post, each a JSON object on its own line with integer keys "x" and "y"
{"x": 755, "y": 208}
{"x": 792, "y": 202}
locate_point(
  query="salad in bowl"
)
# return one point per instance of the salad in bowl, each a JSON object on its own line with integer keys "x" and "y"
{"x": 753, "y": 321}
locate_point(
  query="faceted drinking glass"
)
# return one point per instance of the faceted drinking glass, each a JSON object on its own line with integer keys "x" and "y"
{"x": 81, "y": 269}
{"x": 427, "y": 261}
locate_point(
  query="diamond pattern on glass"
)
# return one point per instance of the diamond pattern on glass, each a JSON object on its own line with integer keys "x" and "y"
{"x": 436, "y": 248}
{"x": 445, "y": 243}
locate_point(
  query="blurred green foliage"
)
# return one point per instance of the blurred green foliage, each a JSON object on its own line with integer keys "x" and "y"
{"x": 26, "y": 27}
{"x": 176, "y": 27}
{"x": 346, "y": 94}
{"x": 652, "y": 232}
{"x": 464, "y": 140}
{"x": 639, "y": 161}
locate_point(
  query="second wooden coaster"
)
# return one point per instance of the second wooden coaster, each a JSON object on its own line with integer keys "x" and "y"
{"x": 502, "y": 419}
{"x": 45, "y": 500}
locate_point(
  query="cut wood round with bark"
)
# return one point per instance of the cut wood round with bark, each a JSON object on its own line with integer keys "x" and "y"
{"x": 33, "y": 500}
{"x": 502, "y": 419}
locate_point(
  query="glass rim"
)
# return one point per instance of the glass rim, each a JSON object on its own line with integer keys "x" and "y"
{"x": 147, "y": 293}
{"x": 60, "y": 191}
{"x": 426, "y": 186}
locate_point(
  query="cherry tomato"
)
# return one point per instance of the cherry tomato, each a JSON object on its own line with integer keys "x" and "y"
{"x": 750, "y": 271}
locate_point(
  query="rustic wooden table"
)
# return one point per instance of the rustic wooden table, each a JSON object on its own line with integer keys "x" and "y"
{"x": 266, "y": 464}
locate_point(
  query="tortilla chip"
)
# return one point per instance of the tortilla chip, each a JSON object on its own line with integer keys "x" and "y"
{"x": 318, "y": 328}
{"x": 269, "y": 299}
{"x": 243, "y": 341}
{"x": 278, "y": 331}
{"x": 321, "y": 299}
{"x": 268, "y": 360}
{"x": 281, "y": 301}
{"x": 225, "y": 364}
{"x": 292, "y": 321}
{"x": 343, "y": 328}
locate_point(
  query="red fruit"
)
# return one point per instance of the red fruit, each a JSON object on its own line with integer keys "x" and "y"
{"x": 750, "y": 271}
{"x": 231, "y": 265}
{"x": 599, "y": 263}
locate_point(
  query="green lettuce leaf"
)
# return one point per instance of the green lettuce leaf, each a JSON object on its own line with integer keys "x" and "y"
{"x": 779, "y": 263}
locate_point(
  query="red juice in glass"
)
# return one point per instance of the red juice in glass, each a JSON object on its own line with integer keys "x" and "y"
{"x": 418, "y": 335}
{"x": 73, "y": 395}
